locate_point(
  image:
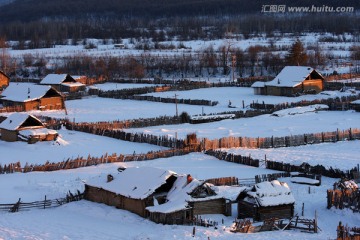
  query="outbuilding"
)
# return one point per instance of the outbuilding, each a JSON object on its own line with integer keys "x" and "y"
{"x": 25, "y": 127}
{"x": 63, "y": 83}
{"x": 266, "y": 200}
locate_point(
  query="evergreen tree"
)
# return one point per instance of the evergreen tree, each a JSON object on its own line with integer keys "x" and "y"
{"x": 297, "y": 54}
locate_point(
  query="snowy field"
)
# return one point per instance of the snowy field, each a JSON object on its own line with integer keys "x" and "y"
{"x": 87, "y": 220}
{"x": 262, "y": 126}
{"x": 242, "y": 95}
{"x": 71, "y": 144}
{"x": 341, "y": 155}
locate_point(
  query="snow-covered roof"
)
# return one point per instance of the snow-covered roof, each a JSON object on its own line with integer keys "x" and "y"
{"x": 54, "y": 79}
{"x": 179, "y": 196}
{"x": 15, "y": 120}
{"x": 272, "y": 193}
{"x": 24, "y": 92}
{"x": 136, "y": 183}
{"x": 258, "y": 84}
{"x": 291, "y": 76}
{"x": 37, "y": 132}
{"x": 356, "y": 102}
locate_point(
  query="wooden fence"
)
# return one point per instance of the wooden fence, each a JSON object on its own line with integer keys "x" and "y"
{"x": 224, "y": 181}
{"x": 12, "y": 109}
{"x": 344, "y": 199}
{"x": 46, "y": 203}
{"x": 339, "y": 103}
{"x": 91, "y": 161}
{"x": 270, "y": 177}
{"x": 347, "y": 233}
{"x": 229, "y": 157}
{"x": 276, "y": 142}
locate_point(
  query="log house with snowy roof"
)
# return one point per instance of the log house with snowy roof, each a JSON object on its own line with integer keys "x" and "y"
{"x": 63, "y": 83}
{"x": 160, "y": 195}
{"x": 291, "y": 81}
{"x": 32, "y": 97}
{"x": 25, "y": 127}
{"x": 266, "y": 200}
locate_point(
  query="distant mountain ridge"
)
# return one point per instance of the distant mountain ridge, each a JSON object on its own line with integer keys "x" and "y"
{"x": 30, "y": 10}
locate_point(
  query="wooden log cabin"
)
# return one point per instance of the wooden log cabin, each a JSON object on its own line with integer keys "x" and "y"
{"x": 160, "y": 195}
{"x": 133, "y": 189}
{"x": 63, "y": 83}
{"x": 266, "y": 200}
{"x": 25, "y": 127}
{"x": 292, "y": 81}
{"x": 29, "y": 97}
{"x": 4, "y": 80}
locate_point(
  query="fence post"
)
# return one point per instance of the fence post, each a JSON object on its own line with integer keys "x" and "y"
{"x": 45, "y": 202}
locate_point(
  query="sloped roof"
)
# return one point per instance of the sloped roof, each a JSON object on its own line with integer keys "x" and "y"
{"x": 291, "y": 76}
{"x": 179, "y": 196}
{"x": 136, "y": 183}
{"x": 54, "y": 78}
{"x": 15, "y": 120}
{"x": 356, "y": 102}
{"x": 24, "y": 92}
{"x": 272, "y": 193}
{"x": 258, "y": 84}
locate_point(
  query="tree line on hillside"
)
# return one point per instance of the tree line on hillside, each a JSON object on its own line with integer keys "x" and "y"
{"x": 256, "y": 60}
{"x": 46, "y": 33}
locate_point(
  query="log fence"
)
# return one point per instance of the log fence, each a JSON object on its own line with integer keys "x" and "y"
{"x": 46, "y": 203}
{"x": 347, "y": 233}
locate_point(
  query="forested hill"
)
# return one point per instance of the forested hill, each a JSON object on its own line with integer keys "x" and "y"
{"x": 30, "y": 10}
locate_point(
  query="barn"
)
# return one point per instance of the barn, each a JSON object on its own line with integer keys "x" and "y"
{"x": 187, "y": 198}
{"x": 4, "y": 80}
{"x": 63, "y": 83}
{"x": 25, "y": 127}
{"x": 291, "y": 81}
{"x": 29, "y": 97}
{"x": 133, "y": 189}
{"x": 266, "y": 200}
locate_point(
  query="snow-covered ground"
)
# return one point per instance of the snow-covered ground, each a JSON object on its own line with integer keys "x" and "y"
{"x": 70, "y": 144}
{"x": 262, "y": 126}
{"x": 341, "y": 155}
{"x": 87, "y": 220}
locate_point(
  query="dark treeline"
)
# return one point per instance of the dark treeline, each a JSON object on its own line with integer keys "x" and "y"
{"x": 47, "y": 32}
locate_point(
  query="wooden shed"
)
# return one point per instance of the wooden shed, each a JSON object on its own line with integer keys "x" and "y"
{"x": 187, "y": 198}
{"x": 29, "y": 97}
{"x": 291, "y": 81}
{"x": 63, "y": 83}
{"x": 25, "y": 127}
{"x": 266, "y": 200}
{"x": 4, "y": 80}
{"x": 133, "y": 189}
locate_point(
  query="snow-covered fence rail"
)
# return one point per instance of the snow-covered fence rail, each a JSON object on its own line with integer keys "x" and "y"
{"x": 338, "y": 103}
{"x": 46, "y": 203}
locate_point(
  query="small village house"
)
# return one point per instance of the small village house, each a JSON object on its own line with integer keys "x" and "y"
{"x": 63, "y": 83}
{"x": 133, "y": 189}
{"x": 188, "y": 198}
{"x": 266, "y": 200}
{"x": 291, "y": 81}
{"x": 25, "y": 127}
{"x": 4, "y": 80}
{"x": 27, "y": 97}
{"x": 160, "y": 195}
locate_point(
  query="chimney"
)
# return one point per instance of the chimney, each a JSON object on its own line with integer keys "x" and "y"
{"x": 189, "y": 178}
{"x": 109, "y": 178}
